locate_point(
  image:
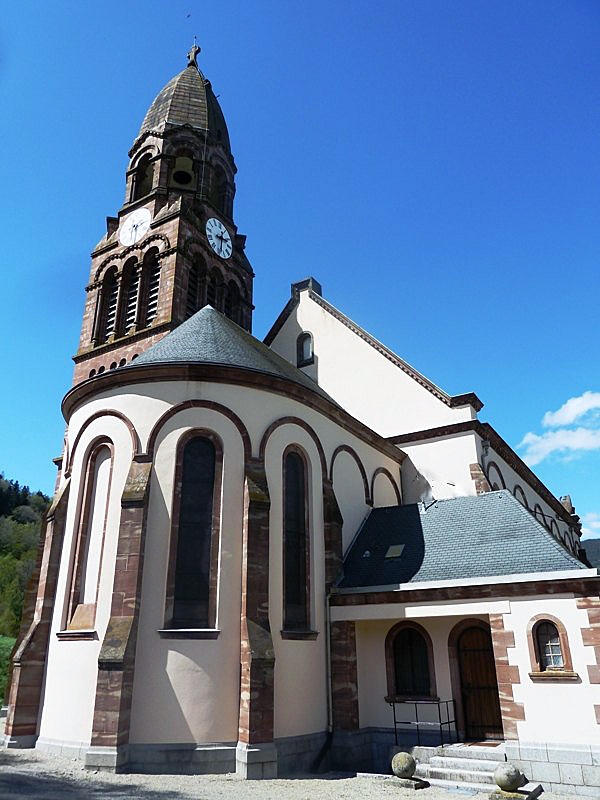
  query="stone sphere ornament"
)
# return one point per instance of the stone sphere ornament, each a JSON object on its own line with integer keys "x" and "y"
{"x": 508, "y": 777}
{"x": 403, "y": 765}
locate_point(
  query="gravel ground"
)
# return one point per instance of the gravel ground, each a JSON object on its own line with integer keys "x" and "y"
{"x": 33, "y": 775}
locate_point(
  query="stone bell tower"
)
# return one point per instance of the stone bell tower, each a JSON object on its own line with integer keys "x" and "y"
{"x": 174, "y": 246}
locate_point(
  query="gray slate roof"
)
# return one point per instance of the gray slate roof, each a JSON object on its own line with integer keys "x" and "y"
{"x": 462, "y": 538}
{"x": 187, "y": 99}
{"x": 209, "y": 337}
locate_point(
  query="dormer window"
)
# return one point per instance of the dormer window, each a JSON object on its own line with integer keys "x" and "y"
{"x": 304, "y": 350}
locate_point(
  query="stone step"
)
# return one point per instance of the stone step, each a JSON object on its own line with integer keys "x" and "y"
{"x": 455, "y": 776}
{"x": 461, "y": 785}
{"x": 494, "y": 753}
{"x": 473, "y": 764}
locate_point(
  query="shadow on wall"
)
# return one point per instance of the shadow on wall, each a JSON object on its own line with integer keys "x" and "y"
{"x": 415, "y": 486}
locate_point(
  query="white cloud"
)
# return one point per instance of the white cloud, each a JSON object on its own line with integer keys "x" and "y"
{"x": 566, "y": 441}
{"x": 590, "y": 524}
{"x": 572, "y": 410}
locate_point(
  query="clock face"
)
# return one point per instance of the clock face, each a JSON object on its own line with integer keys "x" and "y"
{"x": 219, "y": 238}
{"x": 134, "y": 226}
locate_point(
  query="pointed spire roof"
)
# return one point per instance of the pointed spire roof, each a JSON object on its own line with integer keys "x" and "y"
{"x": 187, "y": 99}
{"x": 209, "y": 337}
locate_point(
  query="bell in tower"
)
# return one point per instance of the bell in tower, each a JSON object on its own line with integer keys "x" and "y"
{"x": 174, "y": 246}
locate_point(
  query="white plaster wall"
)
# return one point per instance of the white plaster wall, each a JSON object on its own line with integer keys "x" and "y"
{"x": 383, "y": 492}
{"x": 187, "y": 690}
{"x": 372, "y": 681}
{"x": 70, "y": 683}
{"x": 363, "y": 381}
{"x": 439, "y": 468}
{"x": 300, "y": 688}
{"x": 557, "y": 712}
{"x": 350, "y": 494}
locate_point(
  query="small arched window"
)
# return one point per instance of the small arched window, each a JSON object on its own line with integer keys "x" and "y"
{"x": 219, "y": 194}
{"x": 143, "y": 178}
{"x": 192, "y": 583}
{"x": 304, "y": 350}
{"x": 548, "y": 646}
{"x": 195, "y": 292}
{"x": 409, "y": 662}
{"x": 183, "y": 174}
{"x": 296, "y": 554}
{"x": 549, "y": 649}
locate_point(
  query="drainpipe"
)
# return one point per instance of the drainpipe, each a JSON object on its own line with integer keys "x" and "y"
{"x": 328, "y": 741}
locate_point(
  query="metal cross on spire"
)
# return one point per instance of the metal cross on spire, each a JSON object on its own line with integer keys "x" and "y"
{"x": 193, "y": 54}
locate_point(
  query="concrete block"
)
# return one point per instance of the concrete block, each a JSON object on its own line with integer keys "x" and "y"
{"x": 524, "y": 766}
{"x": 595, "y": 755}
{"x": 585, "y": 791}
{"x": 512, "y": 750}
{"x": 534, "y": 751}
{"x": 544, "y": 772}
{"x": 591, "y": 775}
{"x": 569, "y": 754}
{"x": 108, "y": 758}
{"x": 571, "y": 774}
{"x": 255, "y": 762}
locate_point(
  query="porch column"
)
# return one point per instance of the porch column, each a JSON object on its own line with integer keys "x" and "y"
{"x": 507, "y": 675}
{"x": 256, "y": 755}
{"x": 29, "y": 655}
{"x": 114, "y": 688}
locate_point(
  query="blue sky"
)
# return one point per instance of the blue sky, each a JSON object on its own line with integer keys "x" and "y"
{"x": 435, "y": 165}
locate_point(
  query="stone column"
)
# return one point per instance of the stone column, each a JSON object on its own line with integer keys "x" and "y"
{"x": 347, "y": 751}
{"x": 256, "y": 755}
{"x": 507, "y": 675}
{"x": 332, "y": 535}
{"x": 114, "y": 688}
{"x": 29, "y": 655}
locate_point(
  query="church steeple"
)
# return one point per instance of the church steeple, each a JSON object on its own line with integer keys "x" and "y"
{"x": 174, "y": 246}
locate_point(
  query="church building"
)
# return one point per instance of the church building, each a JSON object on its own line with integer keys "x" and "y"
{"x": 258, "y": 561}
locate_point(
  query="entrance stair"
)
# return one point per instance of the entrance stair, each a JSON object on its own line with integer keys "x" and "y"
{"x": 460, "y": 766}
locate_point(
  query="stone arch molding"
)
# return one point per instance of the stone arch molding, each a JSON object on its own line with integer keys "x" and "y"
{"x": 200, "y": 404}
{"x": 390, "y": 477}
{"x": 301, "y": 424}
{"x": 344, "y": 448}
{"x": 157, "y": 240}
{"x": 135, "y": 439}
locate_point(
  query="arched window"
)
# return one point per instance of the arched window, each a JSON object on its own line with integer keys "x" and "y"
{"x": 131, "y": 283}
{"x": 549, "y": 648}
{"x": 304, "y": 350}
{"x": 195, "y": 292}
{"x": 183, "y": 174}
{"x": 213, "y": 293}
{"x": 152, "y": 285}
{"x": 88, "y": 548}
{"x": 219, "y": 194}
{"x": 296, "y": 554}
{"x": 108, "y": 312}
{"x": 143, "y": 178}
{"x": 409, "y": 661}
{"x": 194, "y": 550}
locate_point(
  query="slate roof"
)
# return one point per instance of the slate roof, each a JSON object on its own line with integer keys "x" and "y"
{"x": 465, "y": 537}
{"x": 187, "y": 99}
{"x": 209, "y": 337}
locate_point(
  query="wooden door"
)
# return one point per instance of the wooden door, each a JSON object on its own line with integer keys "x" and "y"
{"x": 479, "y": 687}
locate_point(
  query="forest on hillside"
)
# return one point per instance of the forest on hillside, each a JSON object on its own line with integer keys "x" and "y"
{"x": 21, "y": 513}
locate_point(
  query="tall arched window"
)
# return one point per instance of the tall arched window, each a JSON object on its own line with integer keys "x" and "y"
{"x": 304, "y": 350}
{"x": 296, "y": 590}
{"x": 192, "y": 589}
{"x": 195, "y": 291}
{"x": 152, "y": 285}
{"x": 108, "y": 311}
{"x": 409, "y": 661}
{"x": 213, "y": 289}
{"x": 219, "y": 194}
{"x": 143, "y": 177}
{"x": 131, "y": 283}
{"x": 87, "y": 554}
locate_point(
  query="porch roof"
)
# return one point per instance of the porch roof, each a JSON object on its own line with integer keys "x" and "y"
{"x": 487, "y": 535}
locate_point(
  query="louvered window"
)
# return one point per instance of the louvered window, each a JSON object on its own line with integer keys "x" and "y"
{"x": 132, "y": 296}
{"x": 193, "y": 289}
{"x": 111, "y": 293}
{"x": 153, "y": 279}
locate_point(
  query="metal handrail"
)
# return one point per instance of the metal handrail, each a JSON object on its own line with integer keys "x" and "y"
{"x": 441, "y": 723}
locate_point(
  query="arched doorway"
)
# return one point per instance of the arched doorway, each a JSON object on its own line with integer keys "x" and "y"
{"x": 474, "y": 682}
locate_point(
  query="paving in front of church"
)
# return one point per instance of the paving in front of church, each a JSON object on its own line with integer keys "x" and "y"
{"x": 34, "y": 775}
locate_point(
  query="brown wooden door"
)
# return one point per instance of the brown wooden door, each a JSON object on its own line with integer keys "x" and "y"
{"x": 479, "y": 687}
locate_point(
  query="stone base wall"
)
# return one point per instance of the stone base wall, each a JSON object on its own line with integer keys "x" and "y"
{"x": 574, "y": 769}
{"x": 309, "y": 753}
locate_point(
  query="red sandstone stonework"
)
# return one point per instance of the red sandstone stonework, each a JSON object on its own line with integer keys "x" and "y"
{"x": 344, "y": 676}
{"x": 507, "y": 675}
